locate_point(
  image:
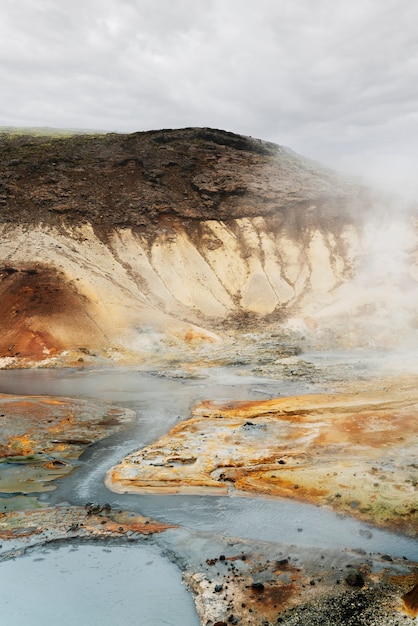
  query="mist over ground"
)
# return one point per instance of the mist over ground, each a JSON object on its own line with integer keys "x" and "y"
{"x": 377, "y": 308}
{"x": 334, "y": 81}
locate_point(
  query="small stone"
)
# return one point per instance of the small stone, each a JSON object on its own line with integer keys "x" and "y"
{"x": 354, "y": 579}
{"x": 410, "y": 601}
{"x": 258, "y": 586}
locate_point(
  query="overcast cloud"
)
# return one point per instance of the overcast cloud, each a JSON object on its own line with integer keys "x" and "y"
{"x": 336, "y": 80}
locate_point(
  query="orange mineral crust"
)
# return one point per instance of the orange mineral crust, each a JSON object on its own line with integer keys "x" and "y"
{"x": 65, "y": 522}
{"x": 42, "y": 313}
{"x": 41, "y": 438}
{"x": 410, "y": 601}
{"x": 356, "y": 451}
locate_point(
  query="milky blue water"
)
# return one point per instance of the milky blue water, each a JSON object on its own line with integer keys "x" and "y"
{"x": 159, "y": 403}
{"x": 89, "y": 585}
{"x": 94, "y": 585}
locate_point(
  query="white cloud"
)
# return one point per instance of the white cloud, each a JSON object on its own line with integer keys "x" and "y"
{"x": 332, "y": 79}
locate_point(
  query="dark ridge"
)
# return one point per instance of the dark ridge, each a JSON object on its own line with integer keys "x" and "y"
{"x": 219, "y": 137}
{"x": 136, "y": 180}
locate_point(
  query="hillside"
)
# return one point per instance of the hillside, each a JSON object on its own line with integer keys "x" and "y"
{"x": 120, "y": 244}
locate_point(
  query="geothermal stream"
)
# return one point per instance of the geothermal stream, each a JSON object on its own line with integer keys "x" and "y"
{"x": 160, "y": 402}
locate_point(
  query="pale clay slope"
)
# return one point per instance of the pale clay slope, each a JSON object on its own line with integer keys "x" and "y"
{"x": 171, "y": 285}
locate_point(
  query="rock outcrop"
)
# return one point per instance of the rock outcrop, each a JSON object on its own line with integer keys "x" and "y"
{"x": 112, "y": 243}
{"x": 294, "y": 447}
{"x": 182, "y": 244}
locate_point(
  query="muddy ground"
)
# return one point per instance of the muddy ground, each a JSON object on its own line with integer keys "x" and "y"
{"x": 235, "y": 581}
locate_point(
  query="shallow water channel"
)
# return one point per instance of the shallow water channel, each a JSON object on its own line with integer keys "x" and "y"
{"x": 159, "y": 403}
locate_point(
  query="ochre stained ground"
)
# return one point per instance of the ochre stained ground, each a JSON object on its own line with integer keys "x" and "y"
{"x": 42, "y": 313}
{"x": 355, "y": 451}
{"x": 41, "y": 439}
{"x": 239, "y": 581}
{"x": 64, "y": 522}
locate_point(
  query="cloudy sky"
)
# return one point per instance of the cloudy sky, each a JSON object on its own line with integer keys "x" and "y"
{"x": 336, "y": 80}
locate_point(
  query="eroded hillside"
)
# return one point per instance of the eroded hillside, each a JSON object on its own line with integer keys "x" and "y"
{"x": 113, "y": 243}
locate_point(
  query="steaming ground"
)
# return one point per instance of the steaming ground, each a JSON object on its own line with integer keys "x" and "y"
{"x": 166, "y": 268}
{"x": 161, "y": 403}
{"x": 124, "y": 247}
{"x": 369, "y": 299}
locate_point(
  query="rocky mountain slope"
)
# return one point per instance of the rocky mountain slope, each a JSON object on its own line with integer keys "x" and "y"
{"x": 121, "y": 243}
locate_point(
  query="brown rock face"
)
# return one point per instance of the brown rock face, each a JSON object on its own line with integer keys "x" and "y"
{"x": 194, "y": 173}
{"x": 410, "y": 601}
{"x": 41, "y": 313}
{"x": 123, "y": 241}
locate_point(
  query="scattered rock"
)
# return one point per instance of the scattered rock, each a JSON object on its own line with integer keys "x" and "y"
{"x": 354, "y": 579}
